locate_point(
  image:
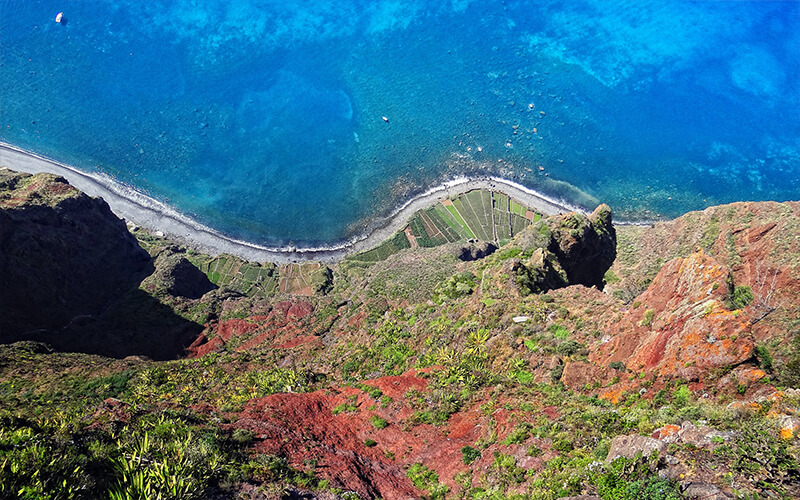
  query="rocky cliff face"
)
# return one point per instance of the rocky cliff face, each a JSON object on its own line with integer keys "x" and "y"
{"x": 63, "y": 255}
{"x": 570, "y": 249}
{"x": 70, "y": 272}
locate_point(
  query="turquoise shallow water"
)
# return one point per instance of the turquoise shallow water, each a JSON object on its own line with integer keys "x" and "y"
{"x": 265, "y": 121}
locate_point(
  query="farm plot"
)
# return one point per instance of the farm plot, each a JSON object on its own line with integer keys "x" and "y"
{"x": 245, "y": 277}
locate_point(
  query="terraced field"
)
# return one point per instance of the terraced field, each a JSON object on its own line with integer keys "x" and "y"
{"x": 303, "y": 279}
{"x": 476, "y": 215}
{"x": 245, "y": 277}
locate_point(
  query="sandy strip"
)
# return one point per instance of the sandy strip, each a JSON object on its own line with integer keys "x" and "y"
{"x": 156, "y": 216}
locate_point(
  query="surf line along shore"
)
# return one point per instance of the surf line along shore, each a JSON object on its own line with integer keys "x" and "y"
{"x": 154, "y": 215}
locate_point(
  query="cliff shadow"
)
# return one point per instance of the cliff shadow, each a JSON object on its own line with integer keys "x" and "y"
{"x": 136, "y": 324}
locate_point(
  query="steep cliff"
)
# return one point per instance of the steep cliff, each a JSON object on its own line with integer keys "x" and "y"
{"x": 64, "y": 256}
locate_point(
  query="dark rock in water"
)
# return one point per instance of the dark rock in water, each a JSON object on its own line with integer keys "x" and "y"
{"x": 571, "y": 249}
{"x": 475, "y": 251}
{"x": 62, "y": 254}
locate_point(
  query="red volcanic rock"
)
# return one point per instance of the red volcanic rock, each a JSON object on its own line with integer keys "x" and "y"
{"x": 297, "y": 341}
{"x": 299, "y": 310}
{"x": 202, "y": 346}
{"x": 281, "y": 308}
{"x": 397, "y": 387}
{"x": 681, "y": 326}
{"x": 756, "y": 241}
{"x": 227, "y": 329}
{"x": 303, "y": 427}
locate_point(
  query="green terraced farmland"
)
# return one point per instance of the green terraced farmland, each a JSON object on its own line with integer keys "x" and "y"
{"x": 478, "y": 214}
{"x": 381, "y": 252}
{"x": 245, "y": 277}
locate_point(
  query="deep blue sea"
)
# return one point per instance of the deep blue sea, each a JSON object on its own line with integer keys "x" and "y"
{"x": 265, "y": 119}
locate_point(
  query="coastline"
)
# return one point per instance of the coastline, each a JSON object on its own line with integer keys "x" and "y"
{"x": 149, "y": 213}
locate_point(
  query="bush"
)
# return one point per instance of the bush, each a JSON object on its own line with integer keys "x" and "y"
{"x": 681, "y": 396}
{"x": 469, "y": 454}
{"x": 558, "y": 331}
{"x": 344, "y": 408}
{"x": 741, "y": 297}
{"x": 568, "y": 347}
{"x": 648, "y": 317}
{"x": 378, "y": 422}
{"x": 518, "y": 435}
{"x": 618, "y": 365}
{"x": 426, "y": 480}
{"x": 460, "y": 285}
{"x": 626, "y": 479}
{"x": 764, "y": 357}
{"x": 555, "y": 375}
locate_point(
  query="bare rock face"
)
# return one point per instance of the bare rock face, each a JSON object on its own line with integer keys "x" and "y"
{"x": 630, "y": 446}
{"x": 681, "y": 326}
{"x": 571, "y": 249}
{"x": 63, "y": 255}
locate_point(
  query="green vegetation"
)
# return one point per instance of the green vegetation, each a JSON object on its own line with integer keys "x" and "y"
{"x": 470, "y": 454}
{"x": 443, "y": 339}
{"x": 378, "y": 422}
{"x": 457, "y": 286}
{"x": 426, "y": 480}
{"x": 626, "y": 479}
{"x": 384, "y": 250}
{"x": 245, "y": 277}
{"x": 741, "y": 297}
{"x": 647, "y": 320}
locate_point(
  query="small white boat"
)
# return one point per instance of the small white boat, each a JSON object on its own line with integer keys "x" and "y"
{"x": 59, "y": 16}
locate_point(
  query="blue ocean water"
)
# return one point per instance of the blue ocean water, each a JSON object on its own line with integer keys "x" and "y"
{"x": 265, "y": 119}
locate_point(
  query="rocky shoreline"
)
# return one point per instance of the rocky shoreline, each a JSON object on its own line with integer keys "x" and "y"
{"x": 149, "y": 213}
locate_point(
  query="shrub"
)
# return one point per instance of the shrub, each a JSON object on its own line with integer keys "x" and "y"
{"x": 344, "y": 408}
{"x": 741, "y": 297}
{"x": 518, "y": 435}
{"x": 469, "y": 454}
{"x": 648, "y": 317}
{"x": 426, "y": 480}
{"x": 456, "y": 286}
{"x": 378, "y": 422}
{"x": 568, "y": 347}
{"x": 626, "y": 479}
{"x": 558, "y": 331}
{"x": 555, "y": 375}
{"x": 617, "y": 365}
{"x": 681, "y": 396}
{"x": 764, "y": 357}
